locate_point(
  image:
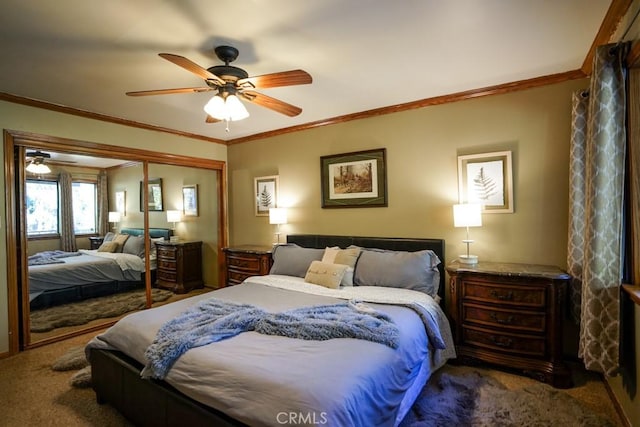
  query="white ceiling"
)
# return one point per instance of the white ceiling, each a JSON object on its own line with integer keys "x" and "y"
{"x": 362, "y": 54}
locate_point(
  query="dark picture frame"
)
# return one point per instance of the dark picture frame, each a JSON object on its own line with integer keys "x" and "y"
{"x": 354, "y": 180}
{"x": 154, "y": 190}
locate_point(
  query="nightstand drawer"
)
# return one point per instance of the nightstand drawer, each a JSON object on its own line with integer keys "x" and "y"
{"x": 166, "y": 264}
{"x": 165, "y": 252}
{"x": 235, "y": 277}
{"x": 169, "y": 276}
{"x": 518, "y": 344}
{"x": 530, "y": 296}
{"x": 507, "y": 319}
{"x": 248, "y": 264}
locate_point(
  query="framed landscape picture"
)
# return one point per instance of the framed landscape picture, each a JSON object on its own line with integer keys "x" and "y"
{"x": 486, "y": 179}
{"x": 265, "y": 194}
{"x": 154, "y": 191}
{"x": 354, "y": 180}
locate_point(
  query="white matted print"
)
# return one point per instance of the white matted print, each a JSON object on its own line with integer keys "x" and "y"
{"x": 486, "y": 179}
{"x": 265, "y": 194}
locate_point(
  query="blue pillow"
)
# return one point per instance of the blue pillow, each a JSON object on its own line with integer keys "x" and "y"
{"x": 398, "y": 269}
{"x": 292, "y": 260}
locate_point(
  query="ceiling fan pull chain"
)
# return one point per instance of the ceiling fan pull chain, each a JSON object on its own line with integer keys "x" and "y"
{"x": 226, "y": 121}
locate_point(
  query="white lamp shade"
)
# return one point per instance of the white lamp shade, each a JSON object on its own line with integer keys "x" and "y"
{"x": 467, "y": 215}
{"x": 38, "y": 168}
{"x": 226, "y": 109}
{"x": 235, "y": 108}
{"x": 114, "y": 216}
{"x": 173, "y": 216}
{"x": 277, "y": 216}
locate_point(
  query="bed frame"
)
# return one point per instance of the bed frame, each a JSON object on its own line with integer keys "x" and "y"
{"x": 85, "y": 291}
{"x": 148, "y": 402}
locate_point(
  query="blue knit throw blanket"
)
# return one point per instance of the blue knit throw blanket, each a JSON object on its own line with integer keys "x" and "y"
{"x": 214, "y": 320}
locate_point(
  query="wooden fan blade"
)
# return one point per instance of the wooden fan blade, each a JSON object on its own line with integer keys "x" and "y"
{"x": 169, "y": 91}
{"x": 210, "y": 119}
{"x": 284, "y": 78}
{"x": 271, "y": 103}
{"x": 189, "y": 65}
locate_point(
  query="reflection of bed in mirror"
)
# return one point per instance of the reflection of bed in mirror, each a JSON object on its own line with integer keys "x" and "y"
{"x": 57, "y": 277}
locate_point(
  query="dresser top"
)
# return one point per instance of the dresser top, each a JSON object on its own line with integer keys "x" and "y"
{"x": 250, "y": 249}
{"x": 510, "y": 269}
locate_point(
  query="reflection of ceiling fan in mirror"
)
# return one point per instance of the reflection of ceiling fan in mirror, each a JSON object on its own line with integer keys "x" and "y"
{"x": 36, "y": 164}
{"x": 232, "y": 83}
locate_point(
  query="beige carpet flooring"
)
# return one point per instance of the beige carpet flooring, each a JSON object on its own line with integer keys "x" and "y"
{"x": 31, "y": 394}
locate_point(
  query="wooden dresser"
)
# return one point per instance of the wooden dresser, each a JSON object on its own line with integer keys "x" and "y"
{"x": 179, "y": 265}
{"x": 510, "y": 315}
{"x": 246, "y": 261}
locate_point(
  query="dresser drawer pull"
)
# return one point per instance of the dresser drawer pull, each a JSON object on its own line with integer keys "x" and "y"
{"x": 506, "y": 321}
{"x": 505, "y": 342}
{"x": 503, "y": 297}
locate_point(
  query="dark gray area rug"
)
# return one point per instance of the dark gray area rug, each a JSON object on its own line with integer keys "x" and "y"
{"x": 465, "y": 397}
{"x": 83, "y": 312}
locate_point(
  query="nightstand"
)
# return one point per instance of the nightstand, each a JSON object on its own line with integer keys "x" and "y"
{"x": 95, "y": 242}
{"x": 510, "y": 315}
{"x": 246, "y": 261}
{"x": 179, "y": 265}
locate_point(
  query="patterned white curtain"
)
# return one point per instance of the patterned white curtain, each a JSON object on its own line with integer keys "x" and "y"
{"x": 103, "y": 203}
{"x": 596, "y": 201}
{"x": 67, "y": 233}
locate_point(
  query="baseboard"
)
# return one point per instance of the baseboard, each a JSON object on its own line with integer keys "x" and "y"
{"x": 616, "y": 403}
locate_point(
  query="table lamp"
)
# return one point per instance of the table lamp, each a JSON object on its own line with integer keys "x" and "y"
{"x": 277, "y": 216}
{"x": 467, "y": 215}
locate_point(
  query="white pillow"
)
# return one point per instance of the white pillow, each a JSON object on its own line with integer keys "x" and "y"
{"x": 325, "y": 274}
{"x": 348, "y": 257}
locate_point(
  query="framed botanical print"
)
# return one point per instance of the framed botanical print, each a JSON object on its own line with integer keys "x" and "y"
{"x": 354, "y": 180}
{"x": 486, "y": 179}
{"x": 121, "y": 205}
{"x": 190, "y": 200}
{"x": 154, "y": 191}
{"x": 265, "y": 194}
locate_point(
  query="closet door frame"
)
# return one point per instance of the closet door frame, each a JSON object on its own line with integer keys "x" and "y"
{"x": 16, "y": 236}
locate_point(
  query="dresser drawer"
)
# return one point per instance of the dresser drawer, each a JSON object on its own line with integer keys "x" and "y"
{"x": 518, "y": 344}
{"x": 531, "y": 296}
{"x": 244, "y": 263}
{"x": 530, "y": 321}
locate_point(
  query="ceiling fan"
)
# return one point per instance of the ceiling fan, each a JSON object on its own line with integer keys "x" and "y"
{"x": 36, "y": 161}
{"x": 232, "y": 83}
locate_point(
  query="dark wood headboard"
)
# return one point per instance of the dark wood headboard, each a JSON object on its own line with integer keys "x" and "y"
{"x": 391, "y": 243}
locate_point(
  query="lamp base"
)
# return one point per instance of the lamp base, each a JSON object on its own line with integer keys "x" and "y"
{"x": 468, "y": 259}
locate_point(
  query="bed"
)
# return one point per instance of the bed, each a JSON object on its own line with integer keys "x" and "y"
{"x": 57, "y": 277}
{"x": 264, "y": 379}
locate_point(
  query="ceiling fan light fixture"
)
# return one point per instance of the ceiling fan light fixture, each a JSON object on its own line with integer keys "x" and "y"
{"x": 229, "y": 109}
{"x": 37, "y": 166}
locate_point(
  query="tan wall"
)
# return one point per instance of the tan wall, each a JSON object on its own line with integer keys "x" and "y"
{"x": 422, "y": 148}
{"x": 35, "y": 120}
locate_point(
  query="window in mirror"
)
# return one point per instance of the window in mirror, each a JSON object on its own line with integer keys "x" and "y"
{"x": 84, "y": 207}
{"x": 42, "y": 207}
